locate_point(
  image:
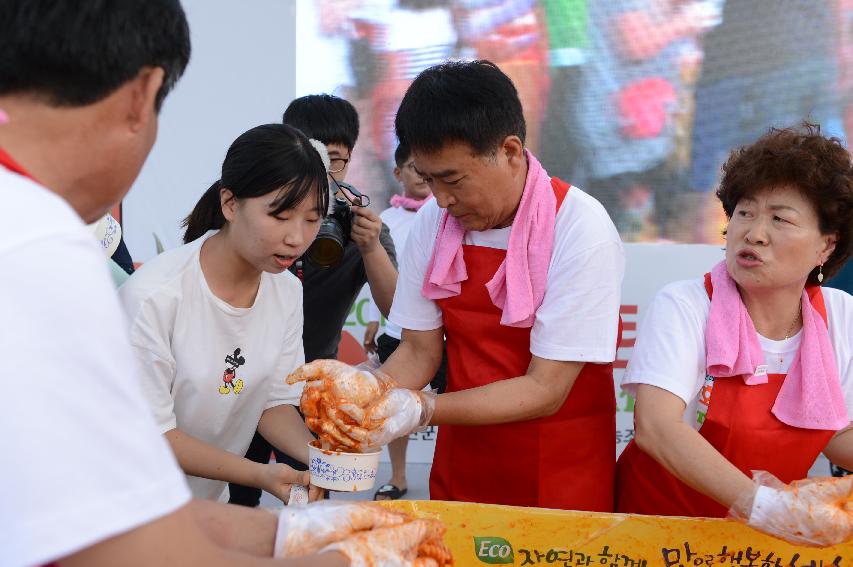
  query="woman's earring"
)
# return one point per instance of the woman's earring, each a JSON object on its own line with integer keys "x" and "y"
{"x": 820, "y": 274}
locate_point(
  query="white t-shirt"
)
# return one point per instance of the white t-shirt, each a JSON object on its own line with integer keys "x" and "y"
{"x": 578, "y": 319}
{"x": 186, "y": 340}
{"x": 399, "y": 222}
{"x": 670, "y": 348}
{"x": 81, "y": 458}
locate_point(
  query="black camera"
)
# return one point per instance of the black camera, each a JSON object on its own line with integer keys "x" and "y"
{"x": 327, "y": 250}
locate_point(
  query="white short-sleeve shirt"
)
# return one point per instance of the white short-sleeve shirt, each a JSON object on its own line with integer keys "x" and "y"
{"x": 670, "y": 348}
{"x": 81, "y": 458}
{"x": 578, "y": 319}
{"x": 399, "y": 222}
{"x": 208, "y": 368}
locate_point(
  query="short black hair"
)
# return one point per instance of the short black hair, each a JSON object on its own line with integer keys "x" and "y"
{"x": 402, "y": 154}
{"x": 324, "y": 117}
{"x": 265, "y": 159}
{"x": 461, "y": 101}
{"x": 75, "y": 53}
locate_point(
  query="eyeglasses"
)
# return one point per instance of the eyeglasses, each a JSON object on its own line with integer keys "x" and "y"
{"x": 337, "y": 165}
{"x": 350, "y": 193}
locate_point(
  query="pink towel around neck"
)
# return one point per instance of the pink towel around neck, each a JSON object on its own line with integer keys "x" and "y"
{"x": 398, "y": 201}
{"x": 811, "y": 396}
{"x": 518, "y": 286}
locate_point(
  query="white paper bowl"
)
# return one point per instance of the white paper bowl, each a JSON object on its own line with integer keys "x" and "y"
{"x": 344, "y": 472}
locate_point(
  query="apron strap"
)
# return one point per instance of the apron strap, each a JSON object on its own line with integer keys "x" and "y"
{"x": 561, "y": 189}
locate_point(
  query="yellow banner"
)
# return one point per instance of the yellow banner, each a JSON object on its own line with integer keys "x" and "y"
{"x": 506, "y": 535}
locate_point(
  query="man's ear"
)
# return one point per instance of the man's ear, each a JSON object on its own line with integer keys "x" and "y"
{"x": 228, "y": 203}
{"x": 513, "y": 148}
{"x": 143, "y": 96}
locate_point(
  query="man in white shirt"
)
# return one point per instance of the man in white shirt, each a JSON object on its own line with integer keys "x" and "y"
{"x": 522, "y": 274}
{"x": 87, "y": 479}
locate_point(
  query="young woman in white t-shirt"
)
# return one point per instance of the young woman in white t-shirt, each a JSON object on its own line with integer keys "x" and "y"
{"x": 216, "y": 324}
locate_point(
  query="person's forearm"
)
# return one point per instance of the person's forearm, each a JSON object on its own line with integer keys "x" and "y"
{"x": 413, "y": 364}
{"x": 503, "y": 401}
{"x": 251, "y": 531}
{"x": 682, "y": 451}
{"x": 239, "y": 528}
{"x": 181, "y": 540}
{"x": 382, "y": 277}
{"x": 286, "y": 431}
{"x": 840, "y": 449}
{"x": 202, "y": 459}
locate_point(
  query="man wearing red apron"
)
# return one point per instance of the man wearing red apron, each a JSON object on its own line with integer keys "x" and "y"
{"x": 522, "y": 274}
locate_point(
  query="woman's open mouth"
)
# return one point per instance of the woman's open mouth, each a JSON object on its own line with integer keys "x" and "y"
{"x": 748, "y": 258}
{"x": 284, "y": 261}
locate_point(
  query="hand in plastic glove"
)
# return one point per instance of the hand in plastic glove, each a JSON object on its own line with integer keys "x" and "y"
{"x": 341, "y": 381}
{"x": 416, "y": 543}
{"x": 811, "y": 511}
{"x": 335, "y": 398}
{"x": 396, "y": 414}
{"x": 308, "y": 529}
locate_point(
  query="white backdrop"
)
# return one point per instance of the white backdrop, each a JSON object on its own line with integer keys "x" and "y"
{"x": 241, "y": 74}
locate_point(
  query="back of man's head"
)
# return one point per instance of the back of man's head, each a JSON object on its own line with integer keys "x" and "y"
{"x": 464, "y": 101}
{"x": 75, "y": 53}
{"x": 324, "y": 117}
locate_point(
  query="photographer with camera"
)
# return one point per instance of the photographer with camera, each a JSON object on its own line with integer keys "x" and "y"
{"x": 353, "y": 248}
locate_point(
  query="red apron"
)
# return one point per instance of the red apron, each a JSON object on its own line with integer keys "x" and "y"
{"x": 561, "y": 461}
{"x": 738, "y": 424}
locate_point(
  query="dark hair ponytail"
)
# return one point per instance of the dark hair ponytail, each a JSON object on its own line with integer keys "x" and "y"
{"x": 262, "y": 160}
{"x": 206, "y": 215}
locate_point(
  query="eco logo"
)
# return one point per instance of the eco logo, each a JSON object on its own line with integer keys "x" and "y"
{"x": 493, "y": 550}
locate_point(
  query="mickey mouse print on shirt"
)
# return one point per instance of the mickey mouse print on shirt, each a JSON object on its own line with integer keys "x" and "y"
{"x": 230, "y": 382}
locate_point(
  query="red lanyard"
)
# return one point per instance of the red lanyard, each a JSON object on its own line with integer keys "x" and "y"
{"x": 9, "y": 163}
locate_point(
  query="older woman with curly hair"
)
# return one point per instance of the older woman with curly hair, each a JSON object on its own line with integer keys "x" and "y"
{"x": 751, "y": 367}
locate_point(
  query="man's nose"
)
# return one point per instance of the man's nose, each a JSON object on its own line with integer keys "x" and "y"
{"x": 443, "y": 198}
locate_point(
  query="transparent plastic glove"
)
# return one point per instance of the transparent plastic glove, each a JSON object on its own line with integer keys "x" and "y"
{"x": 303, "y": 530}
{"x": 335, "y": 398}
{"x": 359, "y": 386}
{"x": 815, "y": 511}
{"x": 397, "y": 414}
{"x": 415, "y": 543}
